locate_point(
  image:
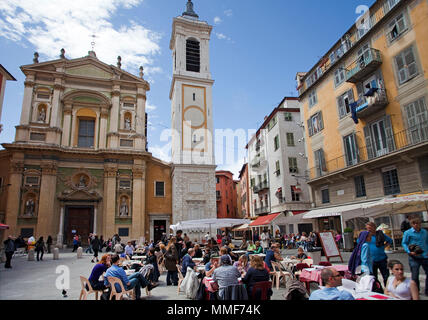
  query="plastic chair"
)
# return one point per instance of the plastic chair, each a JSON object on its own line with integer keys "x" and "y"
{"x": 85, "y": 292}
{"x": 119, "y": 295}
{"x": 263, "y": 287}
{"x": 279, "y": 274}
{"x": 180, "y": 278}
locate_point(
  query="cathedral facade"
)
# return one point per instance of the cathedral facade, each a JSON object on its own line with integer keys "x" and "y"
{"x": 79, "y": 163}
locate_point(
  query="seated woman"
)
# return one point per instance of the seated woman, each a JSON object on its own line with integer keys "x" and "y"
{"x": 97, "y": 272}
{"x": 198, "y": 251}
{"x": 242, "y": 264}
{"x": 243, "y": 245}
{"x": 398, "y": 286}
{"x": 251, "y": 247}
{"x": 259, "y": 248}
{"x": 301, "y": 255}
{"x": 256, "y": 273}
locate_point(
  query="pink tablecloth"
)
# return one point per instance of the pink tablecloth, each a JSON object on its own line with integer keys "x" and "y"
{"x": 207, "y": 281}
{"x": 314, "y": 275}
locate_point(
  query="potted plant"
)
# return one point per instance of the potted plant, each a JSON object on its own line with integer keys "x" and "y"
{"x": 348, "y": 239}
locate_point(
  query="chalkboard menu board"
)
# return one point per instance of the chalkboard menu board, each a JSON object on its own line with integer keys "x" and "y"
{"x": 329, "y": 245}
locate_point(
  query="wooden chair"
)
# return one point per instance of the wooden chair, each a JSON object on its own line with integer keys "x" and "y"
{"x": 148, "y": 277}
{"x": 161, "y": 263}
{"x": 119, "y": 295}
{"x": 264, "y": 287}
{"x": 180, "y": 278}
{"x": 278, "y": 274}
{"x": 85, "y": 292}
{"x": 308, "y": 261}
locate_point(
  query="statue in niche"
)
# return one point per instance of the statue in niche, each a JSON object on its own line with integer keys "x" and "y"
{"x": 29, "y": 207}
{"x": 82, "y": 182}
{"x": 127, "y": 123}
{"x": 42, "y": 115}
{"x": 124, "y": 208}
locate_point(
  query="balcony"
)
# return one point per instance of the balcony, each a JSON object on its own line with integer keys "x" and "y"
{"x": 262, "y": 210}
{"x": 368, "y": 62}
{"x": 374, "y": 100}
{"x": 260, "y": 187}
{"x": 413, "y": 137}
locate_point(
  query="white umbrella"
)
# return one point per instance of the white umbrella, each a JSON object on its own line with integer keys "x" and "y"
{"x": 208, "y": 223}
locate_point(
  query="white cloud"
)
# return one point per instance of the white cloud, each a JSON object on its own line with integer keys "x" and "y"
{"x": 217, "y": 20}
{"x": 233, "y": 167}
{"x": 52, "y": 25}
{"x": 228, "y": 12}
{"x": 222, "y": 36}
{"x": 163, "y": 153}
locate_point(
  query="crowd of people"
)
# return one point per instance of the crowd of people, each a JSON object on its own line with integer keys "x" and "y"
{"x": 222, "y": 263}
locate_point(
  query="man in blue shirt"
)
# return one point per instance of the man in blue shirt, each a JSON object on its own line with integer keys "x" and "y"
{"x": 188, "y": 261}
{"x": 419, "y": 237}
{"x": 135, "y": 280}
{"x": 274, "y": 254}
{"x": 331, "y": 278}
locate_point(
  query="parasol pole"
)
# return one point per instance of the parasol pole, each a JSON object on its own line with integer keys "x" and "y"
{"x": 392, "y": 227}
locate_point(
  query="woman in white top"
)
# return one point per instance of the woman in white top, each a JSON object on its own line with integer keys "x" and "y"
{"x": 398, "y": 286}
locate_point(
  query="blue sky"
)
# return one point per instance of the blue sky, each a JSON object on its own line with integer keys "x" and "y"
{"x": 256, "y": 49}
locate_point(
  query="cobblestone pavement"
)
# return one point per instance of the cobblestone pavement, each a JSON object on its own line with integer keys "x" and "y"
{"x": 37, "y": 280}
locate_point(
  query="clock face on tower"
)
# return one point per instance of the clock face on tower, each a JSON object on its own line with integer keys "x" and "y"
{"x": 194, "y": 118}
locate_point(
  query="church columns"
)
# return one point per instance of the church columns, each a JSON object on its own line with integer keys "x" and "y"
{"x": 13, "y": 193}
{"x": 140, "y": 141}
{"x": 66, "y": 126}
{"x": 103, "y": 129}
{"x": 47, "y": 198}
{"x": 109, "y": 205}
{"x": 139, "y": 200}
{"x": 60, "y": 235}
{"x": 114, "y": 118}
{"x": 28, "y": 97}
{"x": 56, "y": 105}
{"x": 95, "y": 218}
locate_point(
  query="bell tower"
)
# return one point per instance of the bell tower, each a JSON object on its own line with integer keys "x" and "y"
{"x": 192, "y": 119}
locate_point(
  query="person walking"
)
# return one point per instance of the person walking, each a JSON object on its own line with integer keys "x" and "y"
{"x": 171, "y": 261}
{"x": 415, "y": 243}
{"x": 75, "y": 242}
{"x": 95, "y": 243}
{"x": 377, "y": 251}
{"x": 265, "y": 240}
{"x": 89, "y": 248}
{"x": 9, "y": 249}
{"x": 49, "y": 243}
{"x": 40, "y": 248}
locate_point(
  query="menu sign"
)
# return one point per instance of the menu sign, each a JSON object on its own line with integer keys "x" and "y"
{"x": 329, "y": 245}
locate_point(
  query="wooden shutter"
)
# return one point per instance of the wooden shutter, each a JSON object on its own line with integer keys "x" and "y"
{"x": 320, "y": 121}
{"x": 389, "y": 133}
{"x": 310, "y": 128}
{"x": 369, "y": 142}
{"x": 401, "y": 69}
{"x": 409, "y": 58}
{"x": 342, "y": 111}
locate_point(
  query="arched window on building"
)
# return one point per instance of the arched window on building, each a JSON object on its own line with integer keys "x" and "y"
{"x": 193, "y": 56}
{"x": 86, "y": 128}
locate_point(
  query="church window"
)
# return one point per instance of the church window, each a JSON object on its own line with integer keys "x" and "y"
{"x": 192, "y": 55}
{"x": 160, "y": 188}
{"x": 86, "y": 133}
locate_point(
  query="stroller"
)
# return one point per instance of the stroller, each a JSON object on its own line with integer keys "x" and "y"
{"x": 295, "y": 290}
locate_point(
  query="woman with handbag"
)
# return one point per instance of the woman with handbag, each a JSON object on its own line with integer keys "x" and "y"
{"x": 40, "y": 247}
{"x": 171, "y": 261}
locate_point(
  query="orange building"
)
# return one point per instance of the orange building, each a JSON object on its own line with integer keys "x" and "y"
{"x": 226, "y": 195}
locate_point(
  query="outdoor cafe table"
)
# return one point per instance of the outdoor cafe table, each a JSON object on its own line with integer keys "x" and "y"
{"x": 197, "y": 260}
{"x": 239, "y": 252}
{"x": 138, "y": 257}
{"x": 314, "y": 274}
{"x": 367, "y": 295}
{"x": 288, "y": 263}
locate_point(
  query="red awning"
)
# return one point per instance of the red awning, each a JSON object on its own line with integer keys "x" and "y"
{"x": 4, "y": 226}
{"x": 296, "y": 212}
{"x": 264, "y": 220}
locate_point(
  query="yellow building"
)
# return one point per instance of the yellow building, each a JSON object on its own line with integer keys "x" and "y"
{"x": 79, "y": 162}
{"x": 365, "y": 112}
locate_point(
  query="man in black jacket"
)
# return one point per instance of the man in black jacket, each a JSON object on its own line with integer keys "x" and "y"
{"x": 9, "y": 248}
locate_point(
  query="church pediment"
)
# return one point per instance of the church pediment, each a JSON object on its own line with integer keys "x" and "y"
{"x": 89, "y": 70}
{"x": 79, "y": 195}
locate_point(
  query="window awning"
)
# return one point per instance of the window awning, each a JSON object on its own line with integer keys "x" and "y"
{"x": 264, "y": 220}
{"x": 335, "y": 211}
